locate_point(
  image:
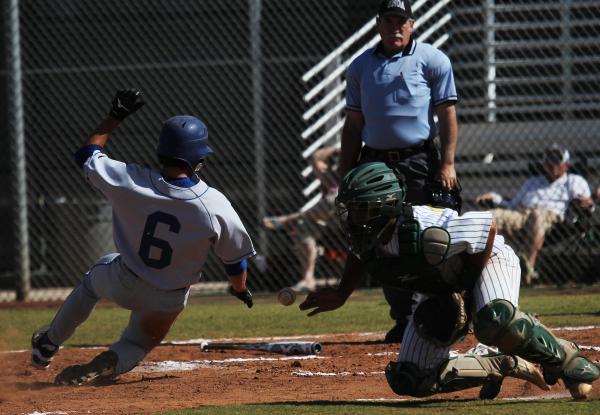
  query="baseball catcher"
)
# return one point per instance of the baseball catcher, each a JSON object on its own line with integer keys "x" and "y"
{"x": 164, "y": 224}
{"x": 465, "y": 272}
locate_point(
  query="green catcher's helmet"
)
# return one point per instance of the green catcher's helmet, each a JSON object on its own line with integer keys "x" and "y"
{"x": 369, "y": 196}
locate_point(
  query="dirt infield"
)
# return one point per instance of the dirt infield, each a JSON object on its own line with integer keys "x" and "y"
{"x": 350, "y": 367}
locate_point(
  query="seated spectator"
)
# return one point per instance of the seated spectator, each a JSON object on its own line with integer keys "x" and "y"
{"x": 319, "y": 215}
{"x": 541, "y": 202}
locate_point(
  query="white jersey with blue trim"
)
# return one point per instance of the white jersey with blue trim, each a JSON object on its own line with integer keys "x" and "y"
{"x": 468, "y": 232}
{"x": 163, "y": 232}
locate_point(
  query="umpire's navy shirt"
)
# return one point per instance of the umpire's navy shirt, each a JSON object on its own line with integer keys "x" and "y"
{"x": 396, "y": 95}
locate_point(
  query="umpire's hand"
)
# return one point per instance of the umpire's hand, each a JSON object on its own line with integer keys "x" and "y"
{"x": 125, "y": 103}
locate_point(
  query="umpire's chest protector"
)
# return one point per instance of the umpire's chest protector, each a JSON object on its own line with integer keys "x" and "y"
{"x": 417, "y": 263}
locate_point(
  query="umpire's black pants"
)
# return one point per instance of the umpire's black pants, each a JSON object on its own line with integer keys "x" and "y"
{"x": 418, "y": 165}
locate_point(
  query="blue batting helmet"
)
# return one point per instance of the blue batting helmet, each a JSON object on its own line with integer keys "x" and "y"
{"x": 184, "y": 138}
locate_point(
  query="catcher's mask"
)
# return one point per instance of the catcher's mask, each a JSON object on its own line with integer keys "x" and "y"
{"x": 184, "y": 138}
{"x": 369, "y": 196}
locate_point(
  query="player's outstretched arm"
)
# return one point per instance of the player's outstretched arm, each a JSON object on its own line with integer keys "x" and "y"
{"x": 124, "y": 103}
{"x": 328, "y": 298}
{"x": 102, "y": 133}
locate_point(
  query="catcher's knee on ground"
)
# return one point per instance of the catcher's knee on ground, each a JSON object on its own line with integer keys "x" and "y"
{"x": 501, "y": 324}
{"x": 458, "y": 373}
{"x": 144, "y": 332}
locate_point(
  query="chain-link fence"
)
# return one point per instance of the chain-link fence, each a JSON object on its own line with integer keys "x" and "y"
{"x": 528, "y": 76}
{"x": 527, "y": 73}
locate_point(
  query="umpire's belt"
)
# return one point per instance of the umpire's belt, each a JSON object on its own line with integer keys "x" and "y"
{"x": 395, "y": 154}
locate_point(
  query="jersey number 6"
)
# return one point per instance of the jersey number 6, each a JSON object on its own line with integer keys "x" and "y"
{"x": 149, "y": 240}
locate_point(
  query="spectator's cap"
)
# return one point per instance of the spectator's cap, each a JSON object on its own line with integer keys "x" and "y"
{"x": 556, "y": 154}
{"x": 397, "y": 7}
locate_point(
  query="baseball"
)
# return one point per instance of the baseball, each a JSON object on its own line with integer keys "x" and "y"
{"x": 286, "y": 296}
{"x": 580, "y": 391}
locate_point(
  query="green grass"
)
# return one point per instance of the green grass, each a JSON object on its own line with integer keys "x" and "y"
{"x": 555, "y": 309}
{"x": 210, "y": 317}
{"x": 215, "y": 317}
{"x": 366, "y": 311}
{"x": 412, "y": 407}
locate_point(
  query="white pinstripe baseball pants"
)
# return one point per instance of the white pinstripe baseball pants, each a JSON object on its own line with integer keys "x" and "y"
{"x": 500, "y": 278}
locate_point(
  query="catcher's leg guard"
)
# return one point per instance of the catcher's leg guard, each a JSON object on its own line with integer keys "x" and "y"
{"x": 461, "y": 372}
{"x": 499, "y": 323}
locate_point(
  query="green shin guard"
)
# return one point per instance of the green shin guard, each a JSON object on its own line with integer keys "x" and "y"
{"x": 459, "y": 373}
{"x": 577, "y": 372}
{"x": 501, "y": 324}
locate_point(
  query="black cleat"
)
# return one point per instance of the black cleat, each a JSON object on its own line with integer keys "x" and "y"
{"x": 42, "y": 352}
{"x": 102, "y": 367}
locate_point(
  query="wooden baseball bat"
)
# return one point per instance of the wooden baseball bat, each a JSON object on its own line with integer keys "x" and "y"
{"x": 290, "y": 348}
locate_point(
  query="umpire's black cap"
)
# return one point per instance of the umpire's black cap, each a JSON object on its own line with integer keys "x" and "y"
{"x": 398, "y": 7}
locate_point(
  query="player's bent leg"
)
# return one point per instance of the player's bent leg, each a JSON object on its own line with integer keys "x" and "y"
{"x": 46, "y": 341}
{"x": 145, "y": 331}
{"x": 501, "y": 324}
{"x": 464, "y": 371}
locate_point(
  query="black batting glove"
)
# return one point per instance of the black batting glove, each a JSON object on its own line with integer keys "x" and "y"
{"x": 244, "y": 296}
{"x": 125, "y": 103}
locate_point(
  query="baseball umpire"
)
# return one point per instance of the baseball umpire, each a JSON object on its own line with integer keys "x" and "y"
{"x": 467, "y": 273}
{"x": 393, "y": 92}
{"x": 164, "y": 224}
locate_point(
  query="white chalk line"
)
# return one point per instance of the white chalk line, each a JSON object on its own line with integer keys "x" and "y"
{"x": 271, "y": 339}
{"x": 299, "y": 337}
{"x": 309, "y": 374}
{"x": 383, "y": 354}
{"x": 329, "y": 335}
{"x": 49, "y": 413}
{"x": 179, "y": 366}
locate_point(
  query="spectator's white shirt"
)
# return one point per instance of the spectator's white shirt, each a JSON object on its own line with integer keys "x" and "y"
{"x": 537, "y": 192}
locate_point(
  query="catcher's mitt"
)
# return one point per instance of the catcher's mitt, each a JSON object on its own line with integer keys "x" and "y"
{"x": 442, "y": 319}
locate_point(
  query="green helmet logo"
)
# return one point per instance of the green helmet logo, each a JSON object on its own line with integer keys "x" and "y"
{"x": 369, "y": 196}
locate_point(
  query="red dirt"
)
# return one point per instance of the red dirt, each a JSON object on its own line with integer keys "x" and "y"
{"x": 24, "y": 390}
